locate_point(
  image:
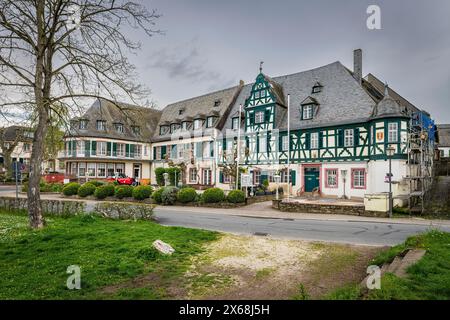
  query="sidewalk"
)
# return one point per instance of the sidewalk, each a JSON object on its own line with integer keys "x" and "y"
{"x": 264, "y": 210}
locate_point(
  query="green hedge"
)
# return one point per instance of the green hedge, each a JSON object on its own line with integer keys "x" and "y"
{"x": 123, "y": 192}
{"x": 159, "y": 173}
{"x": 186, "y": 195}
{"x": 71, "y": 189}
{"x": 142, "y": 192}
{"x": 169, "y": 195}
{"x": 213, "y": 195}
{"x": 104, "y": 191}
{"x": 156, "y": 195}
{"x": 86, "y": 189}
{"x": 236, "y": 196}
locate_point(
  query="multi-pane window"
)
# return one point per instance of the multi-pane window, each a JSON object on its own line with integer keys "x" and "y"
{"x": 82, "y": 169}
{"x": 101, "y": 125}
{"x": 358, "y": 178}
{"x": 235, "y": 123}
{"x": 210, "y": 122}
{"x": 184, "y": 126}
{"x": 120, "y": 150}
{"x": 207, "y": 176}
{"x": 110, "y": 171}
{"x": 307, "y": 112}
{"x": 193, "y": 175}
{"x": 284, "y": 176}
{"x": 315, "y": 140}
{"x": 257, "y": 177}
{"x": 102, "y": 148}
{"x": 349, "y": 137}
{"x": 137, "y": 151}
{"x": 284, "y": 143}
{"x": 81, "y": 146}
{"x": 158, "y": 153}
{"x": 262, "y": 144}
{"x": 120, "y": 168}
{"x": 83, "y": 124}
{"x": 174, "y": 127}
{"x": 118, "y": 127}
{"x": 393, "y": 132}
{"x": 91, "y": 169}
{"x": 259, "y": 117}
{"x": 331, "y": 178}
{"x": 101, "y": 170}
{"x": 197, "y": 124}
{"x": 26, "y": 147}
{"x": 163, "y": 130}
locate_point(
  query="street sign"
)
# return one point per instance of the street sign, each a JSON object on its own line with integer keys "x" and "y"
{"x": 246, "y": 180}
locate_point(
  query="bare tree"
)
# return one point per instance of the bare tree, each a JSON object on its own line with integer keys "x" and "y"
{"x": 60, "y": 51}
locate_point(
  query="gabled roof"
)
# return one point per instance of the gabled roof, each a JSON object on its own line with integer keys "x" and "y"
{"x": 129, "y": 115}
{"x": 199, "y": 107}
{"x": 309, "y": 100}
{"x": 10, "y": 134}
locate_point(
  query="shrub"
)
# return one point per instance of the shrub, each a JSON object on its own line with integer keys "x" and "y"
{"x": 156, "y": 196}
{"x": 101, "y": 192}
{"x": 86, "y": 189}
{"x": 236, "y": 196}
{"x": 96, "y": 183}
{"x": 57, "y": 187}
{"x": 71, "y": 189}
{"x": 169, "y": 195}
{"x": 142, "y": 192}
{"x": 173, "y": 172}
{"x": 123, "y": 192}
{"x": 159, "y": 173}
{"x": 186, "y": 195}
{"x": 213, "y": 195}
{"x": 266, "y": 184}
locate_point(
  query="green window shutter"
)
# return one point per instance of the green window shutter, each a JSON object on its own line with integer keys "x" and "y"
{"x": 127, "y": 150}
{"x": 163, "y": 152}
{"x": 154, "y": 153}
{"x": 94, "y": 148}
{"x": 87, "y": 148}
{"x": 252, "y": 118}
{"x": 211, "y": 149}
{"x": 308, "y": 141}
{"x": 74, "y": 147}
{"x": 293, "y": 177}
{"x": 221, "y": 177}
{"x": 108, "y": 146}
{"x": 340, "y": 137}
{"x": 132, "y": 150}
{"x": 320, "y": 139}
{"x": 114, "y": 149}
{"x": 199, "y": 150}
{"x": 356, "y": 137}
{"x": 267, "y": 115}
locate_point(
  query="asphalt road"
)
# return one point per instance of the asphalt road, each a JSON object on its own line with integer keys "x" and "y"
{"x": 353, "y": 232}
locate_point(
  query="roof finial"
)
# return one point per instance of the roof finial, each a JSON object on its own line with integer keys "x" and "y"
{"x": 260, "y": 66}
{"x": 386, "y": 91}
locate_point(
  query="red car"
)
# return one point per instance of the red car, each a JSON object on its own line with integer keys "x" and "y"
{"x": 123, "y": 179}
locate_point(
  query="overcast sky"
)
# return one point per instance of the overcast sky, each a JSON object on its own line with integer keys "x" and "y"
{"x": 210, "y": 45}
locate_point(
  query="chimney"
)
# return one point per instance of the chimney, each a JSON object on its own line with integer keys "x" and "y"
{"x": 357, "y": 65}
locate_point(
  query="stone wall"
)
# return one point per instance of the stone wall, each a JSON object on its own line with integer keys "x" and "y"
{"x": 325, "y": 209}
{"x": 124, "y": 211}
{"x": 49, "y": 207}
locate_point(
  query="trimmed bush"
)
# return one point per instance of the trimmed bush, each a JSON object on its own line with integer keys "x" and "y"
{"x": 236, "y": 196}
{"x": 86, "y": 189}
{"x": 142, "y": 192}
{"x": 213, "y": 195}
{"x": 169, "y": 196}
{"x": 123, "y": 192}
{"x": 156, "y": 196}
{"x": 56, "y": 187}
{"x": 103, "y": 191}
{"x": 186, "y": 195}
{"x": 71, "y": 189}
{"x": 159, "y": 173}
{"x": 96, "y": 183}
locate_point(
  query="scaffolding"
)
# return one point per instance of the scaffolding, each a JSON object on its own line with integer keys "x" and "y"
{"x": 421, "y": 144}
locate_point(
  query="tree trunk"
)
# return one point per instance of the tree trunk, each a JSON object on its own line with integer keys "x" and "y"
{"x": 34, "y": 193}
{"x": 7, "y": 163}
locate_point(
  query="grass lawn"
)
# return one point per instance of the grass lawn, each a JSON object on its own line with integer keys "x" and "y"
{"x": 33, "y": 264}
{"x": 428, "y": 279}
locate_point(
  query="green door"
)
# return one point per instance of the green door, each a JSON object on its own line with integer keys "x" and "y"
{"x": 311, "y": 179}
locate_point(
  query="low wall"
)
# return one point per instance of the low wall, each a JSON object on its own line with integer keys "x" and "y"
{"x": 325, "y": 209}
{"x": 112, "y": 210}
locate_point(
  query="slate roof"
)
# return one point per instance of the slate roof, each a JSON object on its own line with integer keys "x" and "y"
{"x": 444, "y": 135}
{"x": 127, "y": 114}
{"x": 199, "y": 107}
{"x": 10, "y": 133}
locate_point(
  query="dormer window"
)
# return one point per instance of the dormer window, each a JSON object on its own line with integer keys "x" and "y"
{"x": 118, "y": 127}
{"x": 197, "y": 124}
{"x": 136, "y": 129}
{"x": 307, "y": 112}
{"x": 163, "y": 130}
{"x": 217, "y": 103}
{"x": 185, "y": 125}
{"x": 101, "y": 125}
{"x": 317, "y": 88}
{"x": 28, "y": 134}
{"x": 83, "y": 124}
{"x": 210, "y": 122}
{"x": 174, "y": 127}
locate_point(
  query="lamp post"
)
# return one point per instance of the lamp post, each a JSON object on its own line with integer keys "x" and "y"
{"x": 390, "y": 152}
{"x": 277, "y": 179}
{"x": 344, "y": 180}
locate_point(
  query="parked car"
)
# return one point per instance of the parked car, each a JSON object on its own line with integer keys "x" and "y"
{"x": 123, "y": 179}
{"x": 55, "y": 177}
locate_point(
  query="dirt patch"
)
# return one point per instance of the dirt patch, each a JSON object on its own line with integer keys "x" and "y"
{"x": 237, "y": 267}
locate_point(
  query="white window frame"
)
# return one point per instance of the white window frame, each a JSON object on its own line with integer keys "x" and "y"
{"x": 359, "y": 179}
{"x": 119, "y": 127}
{"x": 392, "y": 132}
{"x": 210, "y": 122}
{"x": 207, "y": 176}
{"x": 193, "y": 175}
{"x": 120, "y": 166}
{"x": 120, "y": 150}
{"x": 307, "y": 112}
{"x": 101, "y": 166}
{"x": 101, "y": 125}
{"x": 332, "y": 176}
{"x": 314, "y": 143}
{"x": 235, "y": 123}
{"x": 89, "y": 167}
{"x": 82, "y": 166}
{"x": 259, "y": 117}
{"x": 257, "y": 177}
{"x": 102, "y": 148}
{"x": 83, "y": 124}
{"x": 197, "y": 124}
{"x": 108, "y": 167}
{"x": 349, "y": 138}
{"x": 284, "y": 143}
{"x": 262, "y": 144}
{"x": 137, "y": 151}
